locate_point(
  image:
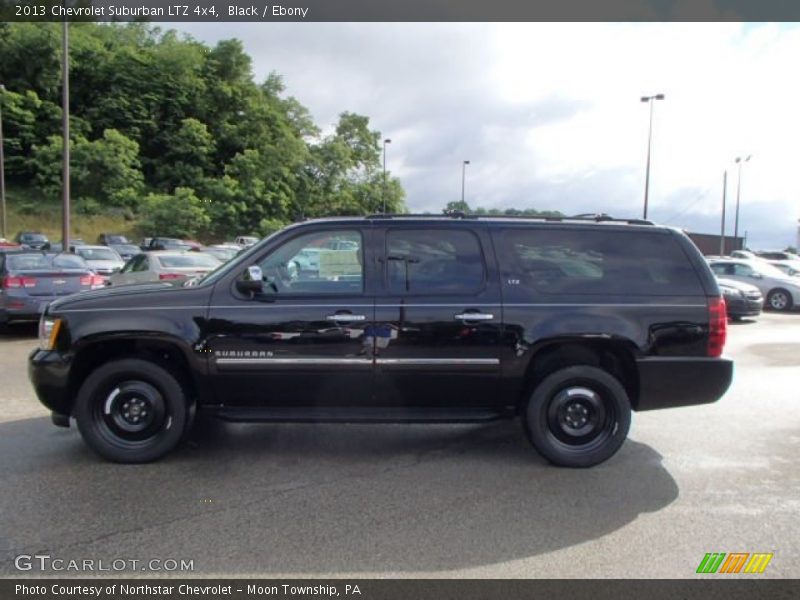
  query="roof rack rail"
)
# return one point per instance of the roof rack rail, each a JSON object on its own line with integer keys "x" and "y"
{"x": 594, "y": 217}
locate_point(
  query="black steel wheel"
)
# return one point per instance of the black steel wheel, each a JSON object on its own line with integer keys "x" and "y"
{"x": 578, "y": 416}
{"x": 131, "y": 411}
{"x": 779, "y": 299}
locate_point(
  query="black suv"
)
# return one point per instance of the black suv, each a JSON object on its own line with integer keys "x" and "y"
{"x": 569, "y": 324}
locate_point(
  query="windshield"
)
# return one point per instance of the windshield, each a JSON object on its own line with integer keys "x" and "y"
{"x": 187, "y": 261}
{"x": 97, "y": 254}
{"x": 243, "y": 258}
{"x": 127, "y": 249}
{"x": 33, "y": 237}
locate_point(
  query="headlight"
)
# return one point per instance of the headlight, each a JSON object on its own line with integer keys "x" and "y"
{"x": 732, "y": 293}
{"x": 48, "y": 332}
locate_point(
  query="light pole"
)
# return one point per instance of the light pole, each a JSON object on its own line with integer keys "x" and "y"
{"x": 739, "y": 161}
{"x": 463, "y": 179}
{"x": 722, "y": 227}
{"x": 2, "y": 166}
{"x": 651, "y": 100}
{"x": 65, "y": 114}
{"x": 383, "y": 193}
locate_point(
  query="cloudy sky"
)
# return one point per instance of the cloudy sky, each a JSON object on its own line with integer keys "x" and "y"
{"x": 550, "y": 117}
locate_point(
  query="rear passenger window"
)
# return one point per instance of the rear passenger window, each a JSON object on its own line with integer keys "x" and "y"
{"x": 434, "y": 261}
{"x": 582, "y": 261}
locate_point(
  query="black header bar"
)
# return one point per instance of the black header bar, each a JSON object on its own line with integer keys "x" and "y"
{"x": 227, "y": 11}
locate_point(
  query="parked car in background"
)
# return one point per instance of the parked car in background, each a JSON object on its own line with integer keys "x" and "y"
{"x": 165, "y": 243}
{"x": 790, "y": 267}
{"x": 32, "y": 239}
{"x": 31, "y": 279}
{"x": 102, "y": 259}
{"x": 745, "y": 254}
{"x": 126, "y": 251}
{"x": 145, "y": 245}
{"x": 776, "y": 255}
{"x": 164, "y": 265}
{"x": 782, "y": 291}
{"x": 110, "y": 239}
{"x": 5, "y": 244}
{"x": 245, "y": 240}
{"x": 741, "y": 299}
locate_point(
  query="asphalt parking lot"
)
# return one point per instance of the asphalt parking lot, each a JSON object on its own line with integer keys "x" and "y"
{"x": 417, "y": 501}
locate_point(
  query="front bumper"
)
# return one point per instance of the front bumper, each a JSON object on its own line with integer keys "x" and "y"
{"x": 667, "y": 382}
{"x": 49, "y": 374}
{"x": 744, "y": 307}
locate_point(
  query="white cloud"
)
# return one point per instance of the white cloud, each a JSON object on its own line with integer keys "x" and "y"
{"x": 549, "y": 114}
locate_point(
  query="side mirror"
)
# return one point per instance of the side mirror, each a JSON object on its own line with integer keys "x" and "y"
{"x": 251, "y": 281}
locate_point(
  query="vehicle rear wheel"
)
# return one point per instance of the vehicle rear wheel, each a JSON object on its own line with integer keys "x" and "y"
{"x": 779, "y": 299}
{"x": 578, "y": 416}
{"x": 131, "y": 411}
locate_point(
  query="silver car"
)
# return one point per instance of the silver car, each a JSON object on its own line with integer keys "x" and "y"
{"x": 101, "y": 259}
{"x": 782, "y": 291}
{"x": 164, "y": 265}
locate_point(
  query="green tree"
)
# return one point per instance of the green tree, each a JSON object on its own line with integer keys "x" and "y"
{"x": 181, "y": 214}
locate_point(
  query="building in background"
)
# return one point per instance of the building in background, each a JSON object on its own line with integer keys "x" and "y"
{"x": 709, "y": 243}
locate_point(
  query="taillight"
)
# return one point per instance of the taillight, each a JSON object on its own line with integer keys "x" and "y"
{"x": 171, "y": 276}
{"x": 18, "y": 282}
{"x": 717, "y": 326}
{"x": 93, "y": 280}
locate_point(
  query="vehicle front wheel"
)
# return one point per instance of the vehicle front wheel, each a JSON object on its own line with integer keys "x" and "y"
{"x": 578, "y": 416}
{"x": 131, "y": 411}
{"x": 779, "y": 299}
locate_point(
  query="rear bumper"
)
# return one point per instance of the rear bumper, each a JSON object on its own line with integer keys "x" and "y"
{"x": 666, "y": 382}
{"x": 49, "y": 374}
{"x": 22, "y": 308}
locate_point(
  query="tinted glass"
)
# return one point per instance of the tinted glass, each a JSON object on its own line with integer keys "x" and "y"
{"x": 325, "y": 262}
{"x": 433, "y": 261}
{"x": 583, "y": 261}
{"x": 24, "y": 262}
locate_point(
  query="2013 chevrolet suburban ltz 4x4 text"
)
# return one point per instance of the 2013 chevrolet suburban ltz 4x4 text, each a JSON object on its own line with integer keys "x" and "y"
{"x": 568, "y": 324}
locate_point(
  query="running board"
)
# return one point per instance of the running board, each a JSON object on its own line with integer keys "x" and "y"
{"x": 352, "y": 415}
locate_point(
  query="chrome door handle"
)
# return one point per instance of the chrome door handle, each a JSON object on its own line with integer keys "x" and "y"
{"x": 474, "y": 317}
{"x": 344, "y": 318}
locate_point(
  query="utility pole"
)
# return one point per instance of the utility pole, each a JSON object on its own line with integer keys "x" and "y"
{"x": 651, "y": 100}
{"x": 2, "y": 167}
{"x": 463, "y": 179}
{"x": 65, "y": 227}
{"x": 722, "y": 229}
{"x": 383, "y": 193}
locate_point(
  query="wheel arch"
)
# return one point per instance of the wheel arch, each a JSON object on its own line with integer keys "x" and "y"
{"x": 165, "y": 351}
{"x": 616, "y": 356}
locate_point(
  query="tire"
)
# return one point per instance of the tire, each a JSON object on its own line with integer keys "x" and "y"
{"x": 131, "y": 411}
{"x": 578, "y": 416}
{"x": 779, "y": 299}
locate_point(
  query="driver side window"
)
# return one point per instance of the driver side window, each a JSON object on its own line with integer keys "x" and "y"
{"x": 323, "y": 262}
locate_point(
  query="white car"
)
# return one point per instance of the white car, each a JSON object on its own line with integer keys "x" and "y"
{"x": 782, "y": 291}
{"x": 101, "y": 259}
{"x": 164, "y": 265}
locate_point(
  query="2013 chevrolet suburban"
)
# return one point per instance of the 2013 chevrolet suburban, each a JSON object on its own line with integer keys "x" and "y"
{"x": 568, "y": 324}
